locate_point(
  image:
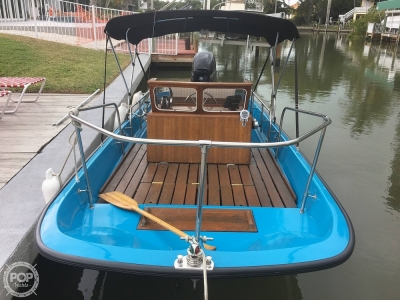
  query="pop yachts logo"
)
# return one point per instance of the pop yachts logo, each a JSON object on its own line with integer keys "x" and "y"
{"x": 21, "y": 279}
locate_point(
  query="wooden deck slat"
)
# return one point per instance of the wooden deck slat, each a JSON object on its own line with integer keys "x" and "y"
{"x": 262, "y": 193}
{"x": 212, "y": 173}
{"x": 154, "y": 193}
{"x": 169, "y": 184}
{"x": 123, "y": 184}
{"x": 157, "y": 184}
{"x": 251, "y": 195}
{"x": 180, "y": 187}
{"x": 166, "y": 193}
{"x": 278, "y": 181}
{"x": 134, "y": 183}
{"x": 234, "y": 175}
{"x": 248, "y": 186}
{"x": 160, "y": 173}
{"x": 192, "y": 185}
{"x": 149, "y": 173}
{"x": 179, "y": 193}
{"x": 213, "y": 185}
{"x": 214, "y": 197}
{"x": 120, "y": 172}
{"x": 226, "y": 195}
{"x": 266, "y": 177}
{"x": 171, "y": 173}
{"x": 259, "y": 184}
{"x": 225, "y": 185}
{"x": 223, "y": 175}
{"x": 245, "y": 175}
{"x": 142, "y": 192}
{"x": 239, "y": 197}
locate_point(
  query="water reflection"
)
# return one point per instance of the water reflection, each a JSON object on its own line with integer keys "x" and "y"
{"x": 393, "y": 197}
{"x": 58, "y": 281}
{"x": 369, "y": 92}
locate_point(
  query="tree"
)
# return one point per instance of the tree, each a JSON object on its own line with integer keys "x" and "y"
{"x": 269, "y": 6}
{"x": 305, "y": 12}
{"x": 315, "y": 10}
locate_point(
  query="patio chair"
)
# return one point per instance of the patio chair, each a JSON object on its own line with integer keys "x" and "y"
{"x": 2, "y": 94}
{"x": 21, "y": 82}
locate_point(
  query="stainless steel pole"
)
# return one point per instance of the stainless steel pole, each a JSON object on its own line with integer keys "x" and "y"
{"x": 202, "y": 180}
{"x": 312, "y": 171}
{"x": 85, "y": 171}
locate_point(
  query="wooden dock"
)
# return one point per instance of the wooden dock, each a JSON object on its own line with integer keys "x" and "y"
{"x": 391, "y": 37}
{"x": 23, "y": 134}
{"x": 184, "y": 57}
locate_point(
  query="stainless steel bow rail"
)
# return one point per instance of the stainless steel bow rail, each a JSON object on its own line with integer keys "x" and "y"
{"x": 205, "y": 145}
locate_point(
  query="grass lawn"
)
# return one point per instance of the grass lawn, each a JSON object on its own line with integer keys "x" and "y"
{"x": 68, "y": 69}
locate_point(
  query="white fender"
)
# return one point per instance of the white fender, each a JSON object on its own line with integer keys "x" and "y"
{"x": 123, "y": 110}
{"x": 136, "y": 97}
{"x": 51, "y": 185}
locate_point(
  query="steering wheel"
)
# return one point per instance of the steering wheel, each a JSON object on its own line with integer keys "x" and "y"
{"x": 209, "y": 97}
{"x": 204, "y": 98}
{"x": 191, "y": 98}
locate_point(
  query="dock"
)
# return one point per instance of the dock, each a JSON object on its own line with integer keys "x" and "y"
{"x": 390, "y": 37}
{"x": 31, "y": 145}
{"x": 184, "y": 56}
{"x": 30, "y": 129}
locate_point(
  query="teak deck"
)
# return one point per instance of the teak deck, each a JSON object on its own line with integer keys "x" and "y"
{"x": 261, "y": 183}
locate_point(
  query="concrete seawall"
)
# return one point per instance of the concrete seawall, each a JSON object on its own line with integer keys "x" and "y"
{"x": 21, "y": 198}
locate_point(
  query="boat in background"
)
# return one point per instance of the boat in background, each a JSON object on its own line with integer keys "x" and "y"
{"x": 220, "y": 189}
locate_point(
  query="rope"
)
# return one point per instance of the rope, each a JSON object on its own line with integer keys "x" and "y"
{"x": 66, "y": 159}
{"x": 75, "y": 111}
{"x": 205, "y": 277}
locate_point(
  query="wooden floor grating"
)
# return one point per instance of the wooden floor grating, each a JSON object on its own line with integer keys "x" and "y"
{"x": 259, "y": 184}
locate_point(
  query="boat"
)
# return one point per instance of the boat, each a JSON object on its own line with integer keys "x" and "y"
{"x": 199, "y": 178}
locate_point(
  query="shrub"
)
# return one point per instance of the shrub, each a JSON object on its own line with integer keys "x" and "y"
{"x": 360, "y": 25}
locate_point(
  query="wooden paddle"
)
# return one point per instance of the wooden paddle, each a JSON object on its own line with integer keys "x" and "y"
{"x": 123, "y": 201}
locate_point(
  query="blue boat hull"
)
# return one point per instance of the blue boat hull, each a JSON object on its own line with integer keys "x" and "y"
{"x": 105, "y": 237}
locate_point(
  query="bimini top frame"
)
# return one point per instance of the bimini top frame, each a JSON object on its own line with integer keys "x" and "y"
{"x": 137, "y": 27}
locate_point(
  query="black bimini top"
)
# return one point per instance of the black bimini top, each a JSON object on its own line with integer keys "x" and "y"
{"x": 153, "y": 24}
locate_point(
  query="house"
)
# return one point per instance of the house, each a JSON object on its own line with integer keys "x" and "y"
{"x": 357, "y": 12}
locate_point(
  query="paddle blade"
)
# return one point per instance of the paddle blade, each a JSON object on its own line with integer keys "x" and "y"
{"x": 110, "y": 199}
{"x": 124, "y": 198}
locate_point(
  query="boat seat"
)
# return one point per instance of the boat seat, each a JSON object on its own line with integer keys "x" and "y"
{"x": 232, "y": 102}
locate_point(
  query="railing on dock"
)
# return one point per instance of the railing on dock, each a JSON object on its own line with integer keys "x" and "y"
{"x": 72, "y": 23}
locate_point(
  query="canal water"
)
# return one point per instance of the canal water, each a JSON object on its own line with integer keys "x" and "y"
{"x": 358, "y": 86}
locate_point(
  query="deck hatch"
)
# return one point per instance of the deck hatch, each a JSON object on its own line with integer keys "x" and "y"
{"x": 232, "y": 220}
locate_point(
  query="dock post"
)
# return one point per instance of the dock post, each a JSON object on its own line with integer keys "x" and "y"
{"x": 196, "y": 42}
{"x": 278, "y": 55}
